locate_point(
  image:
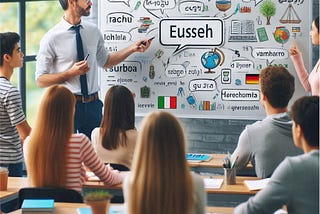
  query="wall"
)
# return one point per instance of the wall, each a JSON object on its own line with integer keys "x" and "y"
{"x": 214, "y": 135}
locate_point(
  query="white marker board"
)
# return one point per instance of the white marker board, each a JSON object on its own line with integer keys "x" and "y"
{"x": 205, "y": 59}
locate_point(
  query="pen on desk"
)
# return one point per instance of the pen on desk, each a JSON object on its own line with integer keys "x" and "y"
{"x": 86, "y": 57}
{"x": 235, "y": 162}
{"x": 144, "y": 42}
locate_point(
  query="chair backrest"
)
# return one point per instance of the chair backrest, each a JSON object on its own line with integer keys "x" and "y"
{"x": 119, "y": 167}
{"x": 57, "y": 193}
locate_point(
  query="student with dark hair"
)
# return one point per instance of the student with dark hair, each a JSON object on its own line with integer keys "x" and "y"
{"x": 295, "y": 182}
{"x": 266, "y": 143}
{"x": 114, "y": 141}
{"x": 161, "y": 181}
{"x": 310, "y": 81}
{"x": 62, "y": 60}
{"x": 14, "y": 127}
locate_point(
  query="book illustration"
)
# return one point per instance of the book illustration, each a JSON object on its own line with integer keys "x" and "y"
{"x": 37, "y": 205}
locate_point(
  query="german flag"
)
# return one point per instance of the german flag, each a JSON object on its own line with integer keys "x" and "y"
{"x": 252, "y": 78}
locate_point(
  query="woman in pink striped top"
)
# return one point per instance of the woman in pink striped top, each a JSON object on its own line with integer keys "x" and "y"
{"x": 310, "y": 81}
{"x": 55, "y": 157}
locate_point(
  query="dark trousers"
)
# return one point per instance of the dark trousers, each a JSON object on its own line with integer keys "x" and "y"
{"x": 15, "y": 169}
{"x": 87, "y": 117}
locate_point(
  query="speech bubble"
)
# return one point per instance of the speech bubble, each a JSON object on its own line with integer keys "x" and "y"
{"x": 191, "y": 7}
{"x": 242, "y": 65}
{"x": 202, "y": 85}
{"x": 175, "y": 70}
{"x": 240, "y": 94}
{"x": 270, "y": 53}
{"x": 117, "y": 1}
{"x": 257, "y": 2}
{"x": 191, "y": 32}
{"x": 119, "y": 18}
{"x": 159, "y": 4}
{"x": 116, "y": 36}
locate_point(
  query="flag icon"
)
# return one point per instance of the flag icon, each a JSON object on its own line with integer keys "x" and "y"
{"x": 252, "y": 78}
{"x": 167, "y": 102}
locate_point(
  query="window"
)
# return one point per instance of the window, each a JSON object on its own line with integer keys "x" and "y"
{"x": 31, "y": 19}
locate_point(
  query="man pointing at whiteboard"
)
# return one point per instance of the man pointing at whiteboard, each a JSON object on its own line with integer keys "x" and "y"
{"x": 70, "y": 54}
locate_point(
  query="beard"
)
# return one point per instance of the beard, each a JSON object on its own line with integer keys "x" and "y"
{"x": 83, "y": 12}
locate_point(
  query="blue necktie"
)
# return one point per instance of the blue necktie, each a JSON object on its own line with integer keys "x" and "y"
{"x": 83, "y": 77}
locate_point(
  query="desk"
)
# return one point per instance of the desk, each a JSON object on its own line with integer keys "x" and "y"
{"x": 227, "y": 195}
{"x": 14, "y": 185}
{"x": 214, "y": 166}
{"x": 71, "y": 208}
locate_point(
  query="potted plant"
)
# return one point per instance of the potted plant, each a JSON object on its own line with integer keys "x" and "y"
{"x": 98, "y": 200}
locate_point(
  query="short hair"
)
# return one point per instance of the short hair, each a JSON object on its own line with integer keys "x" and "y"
{"x": 277, "y": 84}
{"x": 64, "y": 4}
{"x": 7, "y": 44}
{"x": 316, "y": 22}
{"x": 305, "y": 112}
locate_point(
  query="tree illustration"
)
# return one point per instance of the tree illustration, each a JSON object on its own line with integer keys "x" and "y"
{"x": 268, "y": 9}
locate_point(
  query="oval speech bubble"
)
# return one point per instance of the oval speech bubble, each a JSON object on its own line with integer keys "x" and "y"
{"x": 270, "y": 53}
{"x": 175, "y": 71}
{"x": 191, "y": 32}
{"x": 202, "y": 85}
{"x": 119, "y": 18}
{"x": 116, "y": 36}
{"x": 191, "y": 7}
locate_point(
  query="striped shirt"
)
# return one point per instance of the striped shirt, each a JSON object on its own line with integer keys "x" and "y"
{"x": 80, "y": 154}
{"x": 11, "y": 114}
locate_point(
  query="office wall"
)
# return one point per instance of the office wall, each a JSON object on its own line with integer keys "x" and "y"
{"x": 214, "y": 135}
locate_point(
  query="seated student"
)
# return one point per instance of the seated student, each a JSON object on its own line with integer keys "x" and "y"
{"x": 55, "y": 157}
{"x": 14, "y": 126}
{"x": 266, "y": 143}
{"x": 295, "y": 182}
{"x": 161, "y": 181}
{"x": 114, "y": 141}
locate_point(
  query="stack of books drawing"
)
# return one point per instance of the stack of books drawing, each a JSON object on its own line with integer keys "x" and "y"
{"x": 194, "y": 157}
{"x": 38, "y": 206}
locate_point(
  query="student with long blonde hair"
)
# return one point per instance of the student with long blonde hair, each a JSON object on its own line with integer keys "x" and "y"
{"x": 161, "y": 181}
{"x": 55, "y": 157}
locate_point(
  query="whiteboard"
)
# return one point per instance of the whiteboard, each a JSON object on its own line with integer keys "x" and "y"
{"x": 206, "y": 55}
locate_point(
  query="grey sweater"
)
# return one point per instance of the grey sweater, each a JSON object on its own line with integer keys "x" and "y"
{"x": 266, "y": 143}
{"x": 295, "y": 183}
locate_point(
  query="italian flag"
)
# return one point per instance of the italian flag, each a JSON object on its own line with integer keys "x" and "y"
{"x": 169, "y": 102}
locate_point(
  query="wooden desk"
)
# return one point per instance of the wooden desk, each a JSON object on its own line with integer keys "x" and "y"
{"x": 71, "y": 208}
{"x": 14, "y": 185}
{"x": 214, "y": 166}
{"x": 227, "y": 195}
{"x": 238, "y": 188}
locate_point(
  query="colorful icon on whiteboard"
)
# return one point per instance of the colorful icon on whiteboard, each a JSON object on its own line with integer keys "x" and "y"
{"x": 167, "y": 102}
{"x": 281, "y": 35}
{"x": 212, "y": 59}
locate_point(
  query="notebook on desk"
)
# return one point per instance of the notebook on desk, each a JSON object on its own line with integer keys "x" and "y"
{"x": 195, "y": 157}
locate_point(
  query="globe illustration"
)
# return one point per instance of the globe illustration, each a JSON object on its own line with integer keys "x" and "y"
{"x": 210, "y": 60}
{"x": 281, "y": 35}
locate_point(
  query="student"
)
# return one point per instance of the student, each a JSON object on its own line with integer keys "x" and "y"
{"x": 114, "y": 141}
{"x": 295, "y": 182}
{"x": 61, "y": 60}
{"x": 266, "y": 143}
{"x": 54, "y": 156}
{"x": 310, "y": 82}
{"x": 13, "y": 122}
{"x": 161, "y": 181}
